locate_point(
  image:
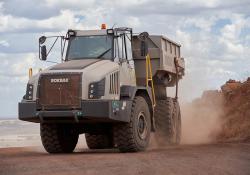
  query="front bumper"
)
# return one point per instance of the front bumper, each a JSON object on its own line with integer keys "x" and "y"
{"x": 91, "y": 111}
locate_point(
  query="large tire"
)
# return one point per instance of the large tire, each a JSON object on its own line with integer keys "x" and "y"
{"x": 58, "y": 138}
{"x": 167, "y": 121}
{"x": 134, "y": 136}
{"x": 177, "y": 118}
{"x": 99, "y": 141}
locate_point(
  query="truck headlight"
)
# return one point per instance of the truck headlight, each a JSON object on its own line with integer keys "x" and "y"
{"x": 29, "y": 92}
{"x": 97, "y": 89}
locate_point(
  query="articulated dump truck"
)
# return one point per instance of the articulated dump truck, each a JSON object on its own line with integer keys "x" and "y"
{"x": 111, "y": 85}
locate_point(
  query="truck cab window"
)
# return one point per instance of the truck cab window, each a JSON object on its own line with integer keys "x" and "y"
{"x": 122, "y": 47}
{"x": 86, "y": 47}
{"x": 128, "y": 46}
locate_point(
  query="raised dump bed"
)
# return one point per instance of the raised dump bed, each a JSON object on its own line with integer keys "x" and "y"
{"x": 162, "y": 52}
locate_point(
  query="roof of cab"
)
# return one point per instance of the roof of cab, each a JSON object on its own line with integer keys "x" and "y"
{"x": 90, "y": 32}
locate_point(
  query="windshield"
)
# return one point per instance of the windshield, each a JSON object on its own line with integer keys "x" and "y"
{"x": 85, "y": 47}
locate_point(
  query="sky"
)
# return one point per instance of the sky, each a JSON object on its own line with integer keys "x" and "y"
{"x": 214, "y": 34}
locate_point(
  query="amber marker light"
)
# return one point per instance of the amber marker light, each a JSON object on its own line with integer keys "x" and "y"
{"x": 30, "y": 72}
{"x": 103, "y": 26}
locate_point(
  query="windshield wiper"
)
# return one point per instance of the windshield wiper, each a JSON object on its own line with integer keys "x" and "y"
{"x": 106, "y": 51}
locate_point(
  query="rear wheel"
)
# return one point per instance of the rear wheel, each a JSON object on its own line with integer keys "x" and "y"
{"x": 58, "y": 138}
{"x": 167, "y": 121}
{"x": 177, "y": 117}
{"x": 134, "y": 136}
{"x": 99, "y": 141}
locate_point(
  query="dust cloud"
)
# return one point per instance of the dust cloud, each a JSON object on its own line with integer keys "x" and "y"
{"x": 219, "y": 115}
{"x": 201, "y": 119}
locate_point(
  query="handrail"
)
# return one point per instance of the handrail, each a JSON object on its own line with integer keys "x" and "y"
{"x": 149, "y": 78}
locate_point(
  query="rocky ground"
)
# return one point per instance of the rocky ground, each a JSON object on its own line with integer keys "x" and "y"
{"x": 219, "y": 159}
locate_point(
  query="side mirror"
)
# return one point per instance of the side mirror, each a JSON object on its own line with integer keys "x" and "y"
{"x": 42, "y": 39}
{"x": 43, "y": 53}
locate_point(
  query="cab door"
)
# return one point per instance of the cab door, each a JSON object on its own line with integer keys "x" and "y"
{"x": 123, "y": 56}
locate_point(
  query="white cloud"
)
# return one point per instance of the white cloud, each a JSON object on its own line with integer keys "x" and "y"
{"x": 232, "y": 31}
{"x": 9, "y": 23}
{"x": 4, "y": 43}
{"x": 231, "y": 37}
{"x": 133, "y": 21}
{"x": 63, "y": 21}
{"x": 202, "y": 23}
{"x": 70, "y": 4}
{"x": 210, "y": 3}
{"x": 16, "y": 66}
{"x": 22, "y": 65}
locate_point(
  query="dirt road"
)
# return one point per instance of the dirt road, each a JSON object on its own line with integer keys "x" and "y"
{"x": 229, "y": 158}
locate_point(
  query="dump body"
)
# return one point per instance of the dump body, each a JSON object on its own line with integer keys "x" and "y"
{"x": 162, "y": 52}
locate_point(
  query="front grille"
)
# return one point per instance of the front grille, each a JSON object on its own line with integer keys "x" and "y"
{"x": 59, "y": 91}
{"x": 114, "y": 83}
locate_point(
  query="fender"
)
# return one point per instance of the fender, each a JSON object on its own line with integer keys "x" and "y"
{"x": 129, "y": 92}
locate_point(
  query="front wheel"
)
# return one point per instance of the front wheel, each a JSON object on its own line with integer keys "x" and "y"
{"x": 99, "y": 141}
{"x": 58, "y": 138}
{"x": 134, "y": 136}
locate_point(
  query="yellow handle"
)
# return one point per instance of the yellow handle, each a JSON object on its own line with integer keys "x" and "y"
{"x": 30, "y": 72}
{"x": 149, "y": 77}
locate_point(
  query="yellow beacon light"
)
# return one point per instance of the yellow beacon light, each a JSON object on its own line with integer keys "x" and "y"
{"x": 103, "y": 26}
{"x": 30, "y": 72}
